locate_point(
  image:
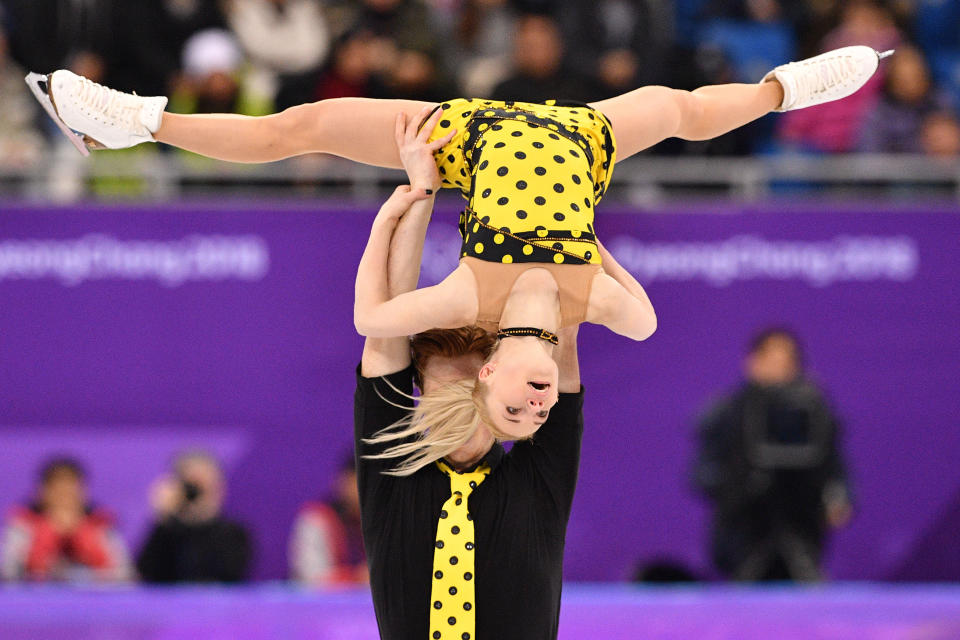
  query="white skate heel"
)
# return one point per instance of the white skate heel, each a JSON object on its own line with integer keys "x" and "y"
{"x": 830, "y": 76}
{"x": 39, "y": 86}
{"x": 93, "y": 116}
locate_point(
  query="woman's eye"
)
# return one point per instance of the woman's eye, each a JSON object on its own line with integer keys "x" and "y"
{"x": 513, "y": 411}
{"x": 542, "y": 414}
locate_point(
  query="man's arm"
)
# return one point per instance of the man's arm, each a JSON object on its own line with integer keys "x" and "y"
{"x": 382, "y": 356}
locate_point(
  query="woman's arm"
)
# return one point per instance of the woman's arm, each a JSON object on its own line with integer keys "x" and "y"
{"x": 618, "y": 302}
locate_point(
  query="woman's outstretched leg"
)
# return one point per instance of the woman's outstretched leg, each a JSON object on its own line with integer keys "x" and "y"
{"x": 360, "y": 129}
{"x": 649, "y": 115}
{"x": 646, "y": 116}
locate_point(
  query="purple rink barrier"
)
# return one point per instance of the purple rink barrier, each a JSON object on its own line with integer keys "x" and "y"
{"x": 127, "y": 333}
{"x": 266, "y": 612}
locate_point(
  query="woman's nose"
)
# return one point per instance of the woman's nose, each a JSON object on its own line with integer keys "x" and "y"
{"x": 536, "y": 404}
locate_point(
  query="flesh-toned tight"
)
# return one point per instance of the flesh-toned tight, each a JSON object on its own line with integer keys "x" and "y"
{"x": 362, "y": 129}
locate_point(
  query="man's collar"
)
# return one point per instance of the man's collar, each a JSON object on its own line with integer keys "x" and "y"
{"x": 491, "y": 458}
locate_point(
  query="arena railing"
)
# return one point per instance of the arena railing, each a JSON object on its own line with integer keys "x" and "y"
{"x": 643, "y": 180}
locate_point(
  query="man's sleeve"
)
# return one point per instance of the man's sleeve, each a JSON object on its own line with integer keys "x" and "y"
{"x": 378, "y": 403}
{"x": 554, "y": 451}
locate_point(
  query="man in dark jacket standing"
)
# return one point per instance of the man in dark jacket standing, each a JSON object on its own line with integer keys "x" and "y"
{"x": 770, "y": 463}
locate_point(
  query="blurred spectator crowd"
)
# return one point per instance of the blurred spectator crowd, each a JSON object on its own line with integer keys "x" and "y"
{"x": 260, "y": 56}
{"x": 61, "y": 535}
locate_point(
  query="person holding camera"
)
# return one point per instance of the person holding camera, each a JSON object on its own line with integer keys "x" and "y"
{"x": 191, "y": 541}
{"x": 769, "y": 461}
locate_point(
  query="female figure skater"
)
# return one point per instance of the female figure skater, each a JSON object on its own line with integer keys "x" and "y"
{"x": 531, "y": 174}
{"x": 517, "y": 277}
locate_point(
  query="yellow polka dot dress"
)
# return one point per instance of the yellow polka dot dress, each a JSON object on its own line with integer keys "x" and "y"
{"x": 531, "y": 174}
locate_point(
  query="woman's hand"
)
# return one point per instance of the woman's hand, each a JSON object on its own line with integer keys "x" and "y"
{"x": 400, "y": 202}
{"x": 416, "y": 152}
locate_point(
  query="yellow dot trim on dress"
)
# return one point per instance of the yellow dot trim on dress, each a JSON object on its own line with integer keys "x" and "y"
{"x": 531, "y": 173}
{"x": 453, "y": 614}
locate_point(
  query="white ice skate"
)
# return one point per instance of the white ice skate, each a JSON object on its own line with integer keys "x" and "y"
{"x": 93, "y": 116}
{"x": 827, "y": 77}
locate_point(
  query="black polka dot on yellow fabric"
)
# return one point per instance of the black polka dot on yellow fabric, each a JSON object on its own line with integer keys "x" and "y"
{"x": 454, "y": 560}
{"x": 468, "y": 576}
{"x": 521, "y": 214}
{"x": 467, "y": 606}
{"x": 575, "y": 178}
{"x": 486, "y": 193}
{"x": 469, "y": 546}
{"x": 558, "y": 187}
{"x": 538, "y": 145}
{"x": 502, "y": 171}
{"x": 437, "y": 605}
{"x": 436, "y": 635}
{"x": 519, "y": 155}
{"x": 483, "y": 165}
{"x": 443, "y": 514}
{"x": 574, "y": 206}
{"x": 540, "y": 171}
{"x": 439, "y": 544}
{"x": 438, "y": 575}
{"x": 558, "y": 246}
{"x": 540, "y": 200}
{"x": 500, "y": 145}
{"x": 496, "y": 127}
{"x": 554, "y": 136}
{"x": 521, "y": 184}
{"x": 502, "y": 201}
{"x": 574, "y": 153}
{"x": 455, "y": 530}
{"x": 588, "y": 254}
{"x": 559, "y": 217}
{"x": 445, "y": 123}
{"x": 559, "y": 159}
{"x": 453, "y": 591}
{"x": 485, "y": 219}
{"x": 517, "y": 134}
{"x": 451, "y": 620}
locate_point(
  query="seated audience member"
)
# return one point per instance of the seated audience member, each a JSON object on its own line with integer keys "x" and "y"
{"x": 770, "y": 463}
{"x": 940, "y": 135}
{"x": 908, "y": 99}
{"x": 326, "y": 547}
{"x": 538, "y": 70}
{"x": 191, "y": 541}
{"x": 60, "y": 536}
{"x": 21, "y": 143}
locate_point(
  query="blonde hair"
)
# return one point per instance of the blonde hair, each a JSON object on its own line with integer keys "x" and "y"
{"x": 441, "y": 422}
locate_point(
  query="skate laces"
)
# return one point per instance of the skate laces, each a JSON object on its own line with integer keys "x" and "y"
{"x": 123, "y": 110}
{"x": 826, "y": 76}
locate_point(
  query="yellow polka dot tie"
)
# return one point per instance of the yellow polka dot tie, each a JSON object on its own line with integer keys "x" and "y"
{"x": 452, "y": 594}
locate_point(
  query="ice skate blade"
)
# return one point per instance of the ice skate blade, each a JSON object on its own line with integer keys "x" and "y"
{"x": 885, "y": 54}
{"x": 33, "y": 81}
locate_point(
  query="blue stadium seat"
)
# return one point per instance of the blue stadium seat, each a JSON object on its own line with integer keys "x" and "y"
{"x": 753, "y": 48}
{"x": 937, "y": 24}
{"x": 945, "y": 66}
